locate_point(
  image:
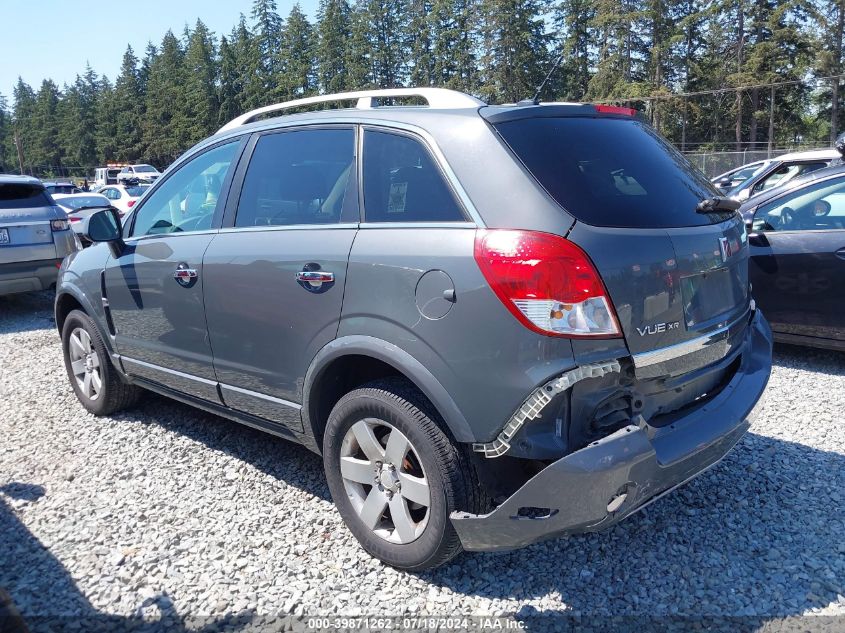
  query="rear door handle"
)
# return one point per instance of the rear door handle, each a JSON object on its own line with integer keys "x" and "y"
{"x": 315, "y": 277}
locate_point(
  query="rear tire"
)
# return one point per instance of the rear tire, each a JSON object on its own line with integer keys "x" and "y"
{"x": 95, "y": 381}
{"x": 396, "y": 486}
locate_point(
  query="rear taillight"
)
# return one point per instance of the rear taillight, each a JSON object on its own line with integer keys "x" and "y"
{"x": 73, "y": 219}
{"x": 59, "y": 225}
{"x": 547, "y": 282}
{"x": 131, "y": 203}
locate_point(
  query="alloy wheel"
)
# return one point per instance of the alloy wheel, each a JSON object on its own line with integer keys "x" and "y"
{"x": 385, "y": 481}
{"x": 85, "y": 363}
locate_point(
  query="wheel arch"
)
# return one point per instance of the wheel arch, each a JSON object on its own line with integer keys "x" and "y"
{"x": 70, "y": 298}
{"x": 330, "y": 376}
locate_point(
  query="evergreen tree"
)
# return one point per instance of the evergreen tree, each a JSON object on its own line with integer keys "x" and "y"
{"x": 107, "y": 132}
{"x": 454, "y": 44}
{"x": 230, "y": 89}
{"x": 516, "y": 54}
{"x": 419, "y": 43}
{"x": 129, "y": 109}
{"x": 268, "y": 42}
{"x": 297, "y": 76}
{"x": 24, "y": 123}
{"x": 360, "y": 61}
{"x": 247, "y": 55}
{"x": 201, "y": 107}
{"x": 573, "y": 20}
{"x": 165, "y": 130}
{"x": 46, "y": 152}
{"x": 384, "y": 20}
{"x": 333, "y": 34}
{"x": 8, "y": 162}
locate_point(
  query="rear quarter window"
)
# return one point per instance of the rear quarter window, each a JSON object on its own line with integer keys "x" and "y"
{"x": 23, "y": 196}
{"x": 610, "y": 172}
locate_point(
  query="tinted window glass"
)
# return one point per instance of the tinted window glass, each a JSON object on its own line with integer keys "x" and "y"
{"x": 785, "y": 173}
{"x": 19, "y": 196}
{"x": 403, "y": 184}
{"x": 610, "y": 172}
{"x": 817, "y": 207}
{"x": 297, "y": 177}
{"x": 187, "y": 199}
{"x": 137, "y": 191}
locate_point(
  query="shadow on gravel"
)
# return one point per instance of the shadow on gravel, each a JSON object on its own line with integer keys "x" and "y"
{"x": 281, "y": 459}
{"x": 27, "y": 312}
{"x": 759, "y": 536}
{"x": 762, "y": 534}
{"x": 28, "y": 572}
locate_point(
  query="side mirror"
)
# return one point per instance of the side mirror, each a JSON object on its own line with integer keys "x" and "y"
{"x": 105, "y": 226}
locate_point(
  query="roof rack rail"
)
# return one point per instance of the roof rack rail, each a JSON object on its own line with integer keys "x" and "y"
{"x": 435, "y": 97}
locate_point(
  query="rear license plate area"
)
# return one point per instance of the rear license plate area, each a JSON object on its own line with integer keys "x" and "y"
{"x": 711, "y": 294}
{"x": 4, "y": 237}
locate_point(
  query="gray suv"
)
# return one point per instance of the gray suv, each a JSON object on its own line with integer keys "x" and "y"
{"x": 497, "y": 324}
{"x": 35, "y": 236}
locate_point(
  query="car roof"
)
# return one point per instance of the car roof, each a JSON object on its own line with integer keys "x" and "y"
{"x": 84, "y": 194}
{"x": 810, "y": 155}
{"x": 15, "y": 179}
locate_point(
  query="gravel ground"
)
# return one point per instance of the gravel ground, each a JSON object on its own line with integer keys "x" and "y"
{"x": 167, "y": 508}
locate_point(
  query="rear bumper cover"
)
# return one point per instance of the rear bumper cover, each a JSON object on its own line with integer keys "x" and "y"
{"x": 598, "y": 486}
{"x": 28, "y": 276}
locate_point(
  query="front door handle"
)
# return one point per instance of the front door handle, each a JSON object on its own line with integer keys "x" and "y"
{"x": 315, "y": 278}
{"x": 184, "y": 275}
{"x": 841, "y": 253}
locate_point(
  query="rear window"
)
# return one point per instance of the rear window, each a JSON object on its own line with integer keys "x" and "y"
{"x": 610, "y": 172}
{"x": 22, "y": 196}
{"x": 136, "y": 191}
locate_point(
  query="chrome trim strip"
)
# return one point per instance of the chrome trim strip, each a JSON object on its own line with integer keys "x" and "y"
{"x": 12, "y": 224}
{"x": 172, "y": 372}
{"x": 261, "y": 396}
{"x": 418, "y": 225}
{"x": 645, "y": 359}
{"x": 288, "y": 227}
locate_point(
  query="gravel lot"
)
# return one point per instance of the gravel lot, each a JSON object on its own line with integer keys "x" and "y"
{"x": 167, "y": 509}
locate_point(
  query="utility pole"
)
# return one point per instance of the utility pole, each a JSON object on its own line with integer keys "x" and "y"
{"x": 20, "y": 152}
{"x": 771, "y": 122}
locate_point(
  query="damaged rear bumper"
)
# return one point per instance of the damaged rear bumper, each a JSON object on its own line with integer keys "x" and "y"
{"x": 596, "y": 487}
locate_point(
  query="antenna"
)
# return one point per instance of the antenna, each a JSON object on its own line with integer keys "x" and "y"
{"x": 536, "y": 98}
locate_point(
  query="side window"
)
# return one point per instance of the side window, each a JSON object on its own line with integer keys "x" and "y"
{"x": 297, "y": 177}
{"x": 402, "y": 183}
{"x": 187, "y": 199}
{"x": 815, "y": 208}
{"x": 785, "y": 173}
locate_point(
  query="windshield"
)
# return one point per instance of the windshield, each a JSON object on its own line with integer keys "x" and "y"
{"x": 77, "y": 202}
{"x": 144, "y": 169}
{"x": 610, "y": 172}
{"x": 137, "y": 190}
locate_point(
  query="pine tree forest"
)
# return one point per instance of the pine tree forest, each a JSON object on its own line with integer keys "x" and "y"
{"x": 708, "y": 74}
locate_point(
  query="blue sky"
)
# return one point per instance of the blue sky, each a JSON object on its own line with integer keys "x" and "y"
{"x": 54, "y": 38}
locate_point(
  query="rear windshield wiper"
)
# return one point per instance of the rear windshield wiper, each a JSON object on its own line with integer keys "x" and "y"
{"x": 716, "y": 204}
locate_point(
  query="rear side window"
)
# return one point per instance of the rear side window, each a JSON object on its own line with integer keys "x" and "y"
{"x": 297, "y": 177}
{"x": 402, "y": 183}
{"x": 23, "y": 196}
{"x": 610, "y": 172}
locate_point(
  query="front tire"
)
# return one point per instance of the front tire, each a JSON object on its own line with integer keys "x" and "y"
{"x": 395, "y": 476}
{"x": 95, "y": 381}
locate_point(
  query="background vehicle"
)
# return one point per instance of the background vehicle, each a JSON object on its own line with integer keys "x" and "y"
{"x": 496, "y": 323}
{"x": 52, "y": 187}
{"x": 781, "y": 170}
{"x": 135, "y": 174}
{"x": 34, "y": 236}
{"x": 80, "y": 206}
{"x": 797, "y": 238}
{"x": 106, "y": 176}
{"x": 735, "y": 177}
{"x": 123, "y": 197}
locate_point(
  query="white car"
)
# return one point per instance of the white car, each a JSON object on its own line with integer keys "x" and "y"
{"x": 79, "y": 206}
{"x": 135, "y": 174}
{"x": 122, "y": 197}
